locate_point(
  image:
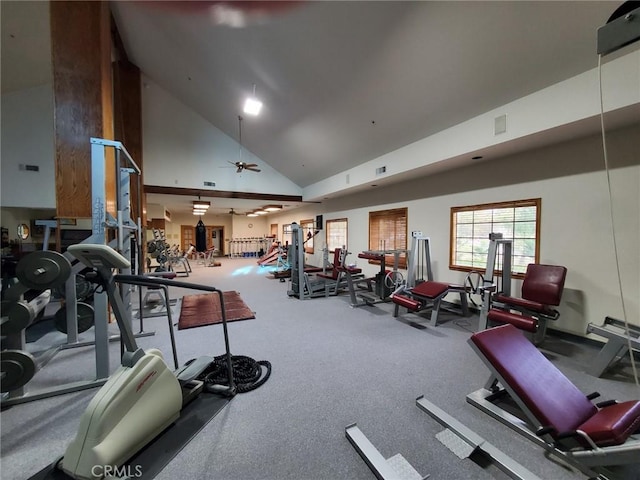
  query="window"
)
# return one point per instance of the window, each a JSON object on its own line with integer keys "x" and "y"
{"x": 308, "y": 232}
{"x": 470, "y": 228}
{"x": 286, "y": 233}
{"x": 336, "y": 233}
{"x": 388, "y": 231}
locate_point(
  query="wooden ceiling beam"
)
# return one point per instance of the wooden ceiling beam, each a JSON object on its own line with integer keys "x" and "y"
{"x": 196, "y": 192}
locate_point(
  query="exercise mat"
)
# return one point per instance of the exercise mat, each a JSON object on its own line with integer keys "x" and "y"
{"x": 204, "y": 309}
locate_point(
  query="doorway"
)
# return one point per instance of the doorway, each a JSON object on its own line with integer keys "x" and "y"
{"x": 215, "y": 237}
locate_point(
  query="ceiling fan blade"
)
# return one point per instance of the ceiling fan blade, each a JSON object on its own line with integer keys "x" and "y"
{"x": 233, "y": 163}
{"x": 240, "y": 167}
{"x": 252, "y": 169}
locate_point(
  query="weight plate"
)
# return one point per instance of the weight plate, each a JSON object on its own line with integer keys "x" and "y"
{"x": 18, "y": 367}
{"x": 86, "y": 318}
{"x": 42, "y": 270}
{"x": 84, "y": 289}
{"x": 16, "y": 317}
{"x": 151, "y": 247}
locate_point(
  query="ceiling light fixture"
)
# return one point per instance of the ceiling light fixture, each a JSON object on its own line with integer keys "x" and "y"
{"x": 199, "y": 212}
{"x": 201, "y": 205}
{"x": 252, "y": 105}
{"x": 272, "y": 208}
{"x": 252, "y": 214}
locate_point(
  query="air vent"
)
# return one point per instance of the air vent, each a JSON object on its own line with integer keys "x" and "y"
{"x": 209, "y": 184}
{"x": 500, "y": 125}
{"x": 29, "y": 168}
{"x": 381, "y": 170}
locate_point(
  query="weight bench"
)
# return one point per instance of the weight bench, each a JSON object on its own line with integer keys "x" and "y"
{"x": 426, "y": 295}
{"x": 550, "y": 410}
{"x": 617, "y": 346}
{"x": 542, "y": 289}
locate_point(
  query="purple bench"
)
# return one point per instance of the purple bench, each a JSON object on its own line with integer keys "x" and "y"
{"x": 552, "y": 406}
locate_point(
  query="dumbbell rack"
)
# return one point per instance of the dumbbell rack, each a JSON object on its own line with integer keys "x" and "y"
{"x": 38, "y": 273}
{"x": 247, "y": 246}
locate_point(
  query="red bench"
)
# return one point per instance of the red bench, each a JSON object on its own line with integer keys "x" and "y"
{"x": 554, "y": 409}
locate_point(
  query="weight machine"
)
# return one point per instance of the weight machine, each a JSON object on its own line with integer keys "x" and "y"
{"x": 420, "y": 293}
{"x": 303, "y": 284}
{"x": 376, "y": 289}
{"x": 541, "y": 291}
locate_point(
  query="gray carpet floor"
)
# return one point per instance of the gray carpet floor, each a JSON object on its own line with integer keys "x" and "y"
{"x": 333, "y": 365}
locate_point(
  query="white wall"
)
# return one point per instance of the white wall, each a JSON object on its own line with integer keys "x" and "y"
{"x": 27, "y": 138}
{"x": 235, "y": 227}
{"x": 563, "y": 104}
{"x": 182, "y": 149}
{"x": 575, "y": 222}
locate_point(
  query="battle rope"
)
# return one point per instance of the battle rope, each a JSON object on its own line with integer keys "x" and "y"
{"x": 246, "y": 372}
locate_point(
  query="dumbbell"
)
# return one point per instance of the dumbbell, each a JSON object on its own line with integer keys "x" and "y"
{"x": 18, "y": 315}
{"x": 39, "y": 271}
{"x": 18, "y": 367}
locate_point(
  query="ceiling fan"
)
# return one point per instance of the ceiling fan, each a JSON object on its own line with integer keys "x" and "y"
{"x": 233, "y": 212}
{"x": 240, "y": 165}
{"x": 244, "y": 166}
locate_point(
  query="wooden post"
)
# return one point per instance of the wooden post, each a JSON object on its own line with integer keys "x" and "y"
{"x": 83, "y": 103}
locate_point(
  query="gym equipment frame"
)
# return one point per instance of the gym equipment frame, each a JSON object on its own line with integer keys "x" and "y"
{"x": 464, "y": 442}
{"x": 303, "y": 285}
{"x": 384, "y": 282}
{"x": 125, "y": 229}
{"x": 549, "y": 409}
{"x": 620, "y": 340}
{"x": 419, "y": 294}
{"x": 542, "y": 289}
{"x": 393, "y": 468}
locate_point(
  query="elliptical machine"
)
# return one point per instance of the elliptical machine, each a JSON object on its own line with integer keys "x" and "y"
{"x": 142, "y": 397}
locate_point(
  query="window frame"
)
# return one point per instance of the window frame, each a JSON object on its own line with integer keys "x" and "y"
{"x": 328, "y": 225}
{"x": 308, "y": 225}
{"x": 515, "y": 204}
{"x": 387, "y": 214}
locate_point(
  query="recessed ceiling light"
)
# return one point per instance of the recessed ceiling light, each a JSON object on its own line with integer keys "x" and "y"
{"x": 252, "y": 105}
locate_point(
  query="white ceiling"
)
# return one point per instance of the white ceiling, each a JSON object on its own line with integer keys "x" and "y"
{"x": 343, "y": 82}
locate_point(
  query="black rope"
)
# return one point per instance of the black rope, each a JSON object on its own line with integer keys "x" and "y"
{"x": 247, "y": 372}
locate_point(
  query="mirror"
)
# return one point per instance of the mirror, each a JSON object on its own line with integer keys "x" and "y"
{"x": 23, "y": 231}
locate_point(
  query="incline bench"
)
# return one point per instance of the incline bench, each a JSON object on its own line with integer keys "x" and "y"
{"x": 554, "y": 412}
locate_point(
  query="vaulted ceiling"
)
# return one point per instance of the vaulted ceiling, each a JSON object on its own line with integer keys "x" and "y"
{"x": 344, "y": 82}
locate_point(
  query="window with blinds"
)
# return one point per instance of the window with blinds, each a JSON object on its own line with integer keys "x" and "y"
{"x": 471, "y": 225}
{"x": 388, "y": 231}
{"x": 336, "y": 231}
